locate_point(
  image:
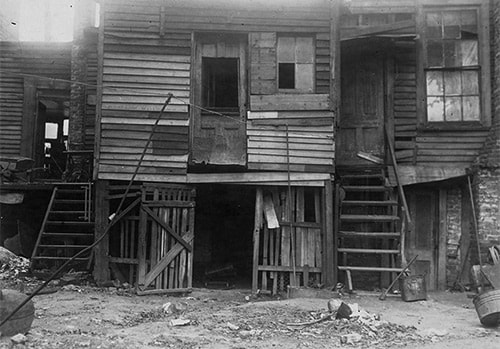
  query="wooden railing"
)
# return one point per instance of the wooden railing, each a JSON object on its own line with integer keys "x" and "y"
{"x": 405, "y": 212}
{"x": 44, "y": 222}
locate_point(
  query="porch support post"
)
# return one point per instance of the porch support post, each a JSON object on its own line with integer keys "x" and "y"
{"x": 101, "y": 251}
{"x": 256, "y": 242}
{"x": 329, "y": 240}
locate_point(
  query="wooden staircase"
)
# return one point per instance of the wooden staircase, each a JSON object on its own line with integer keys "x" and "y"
{"x": 67, "y": 228}
{"x": 369, "y": 228}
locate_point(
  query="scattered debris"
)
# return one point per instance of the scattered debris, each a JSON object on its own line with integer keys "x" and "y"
{"x": 351, "y": 338}
{"x": 19, "y": 339}
{"x": 232, "y": 326}
{"x": 179, "y": 322}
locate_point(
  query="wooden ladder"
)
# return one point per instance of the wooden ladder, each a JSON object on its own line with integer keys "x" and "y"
{"x": 67, "y": 227}
{"x": 369, "y": 228}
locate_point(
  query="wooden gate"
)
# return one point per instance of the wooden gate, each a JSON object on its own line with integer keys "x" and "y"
{"x": 166, "y": 234}
{"x": 288, "y": 244}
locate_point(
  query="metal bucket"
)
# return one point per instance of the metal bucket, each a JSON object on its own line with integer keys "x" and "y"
{"x": 488, "y": 307}
{"x": 413, "y": 288}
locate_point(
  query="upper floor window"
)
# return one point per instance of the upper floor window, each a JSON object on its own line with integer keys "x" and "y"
{"x": 295, "y": 64}
{"x": 452, "y": 66}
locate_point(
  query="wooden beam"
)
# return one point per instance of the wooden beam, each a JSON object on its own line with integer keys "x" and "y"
{"x": 256, "y": 236}
{"x": 378, "y": 29}
{"x": 99, "y": 90}
{"x": 442, "y": 239}
{"x": 335, "y": 58}
{"x": 101, "y": 267}
{"x": 254, "y": 177}
{"x": 329, "y": 242}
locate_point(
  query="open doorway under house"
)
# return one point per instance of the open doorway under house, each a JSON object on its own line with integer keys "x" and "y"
{"x": 223, "y": 244}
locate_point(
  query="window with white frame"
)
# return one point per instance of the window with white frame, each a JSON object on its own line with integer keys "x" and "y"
{"x": 295, "y": 64}
{"x": 452, "y": 66}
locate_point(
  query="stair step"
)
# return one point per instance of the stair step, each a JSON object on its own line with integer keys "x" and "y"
{"x": 368, "y": 218}
{"x": 66, "y": 234}
{"x": 72, "y": 223}
{"x": 395, "y": 270}
{"x": 379, "y": 188}
{"x": 67, "y": 212}
{"x": 368, "y": 250}
{"x": 369, "y": 203}
{"x": 68, "y": 201}
{"x": 60, "y": 258}
{"x": 369, "y": 234}
{"x": 64, "y": 246}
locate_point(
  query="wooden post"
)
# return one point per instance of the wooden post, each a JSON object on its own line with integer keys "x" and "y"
{"x": 441, "y": 239}
{"x": 256, "y": 233}
{"x": 334, "y": 58}
{"x": 141, "y": 245}
{"x": 101, "y": 251}
{"x": 329, "y": 241}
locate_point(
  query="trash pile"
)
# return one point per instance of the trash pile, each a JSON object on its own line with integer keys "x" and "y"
{"x": 342, "y": 323}
{"x": 11, "y": 266}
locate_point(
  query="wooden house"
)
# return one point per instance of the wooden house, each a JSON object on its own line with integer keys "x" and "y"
{"x": 293, "y": 143}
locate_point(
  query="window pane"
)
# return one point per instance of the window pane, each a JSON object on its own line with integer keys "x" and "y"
{"x": 469, "y": 25}
{"x": 450, "y": 53}
{"x": 286, "y": 75}
{"x": 304, "y": 52}
{"x": 286, "y": 50}
{"x": 51, "y": 130}
{"x": 471, "y": 108}
{"x": 305, "y": 77}
{"x": 453, "y": 109}
{"x": 451, "y": 24}
{"x": 470, "y": 83}
{"x": 435, "y": 109}
{"x": 452, "y": 83}
{"x": 468, "y": 52}
{"x": 433, "y": 25}
{"x": 435, "y": 54}
{"x": 435, "y": 83}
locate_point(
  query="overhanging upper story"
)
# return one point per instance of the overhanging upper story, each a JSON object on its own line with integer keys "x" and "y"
{"x": 280, "y": 87}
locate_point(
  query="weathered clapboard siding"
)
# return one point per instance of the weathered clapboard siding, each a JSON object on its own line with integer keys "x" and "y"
{"x": 405, "y": 102}
{"x": 11, "y": 101}
{"x": 449, "y": 148}
{"x": 310, "y": 141}
{"x": 140, "y": 68}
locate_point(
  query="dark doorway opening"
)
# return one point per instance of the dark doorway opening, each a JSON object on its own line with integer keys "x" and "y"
{"x": 223, "y": 245}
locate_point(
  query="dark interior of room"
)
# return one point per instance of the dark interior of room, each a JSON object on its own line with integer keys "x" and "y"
{"x": 223, "y": 236}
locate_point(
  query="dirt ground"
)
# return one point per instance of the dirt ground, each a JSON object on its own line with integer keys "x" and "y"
{"x": 90, "y": 317}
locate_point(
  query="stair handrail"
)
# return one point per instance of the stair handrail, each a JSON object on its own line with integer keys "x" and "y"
{"x": 44, "y": 223}
{"x": 406, "y": 218}
{"x": 398, "y": 179}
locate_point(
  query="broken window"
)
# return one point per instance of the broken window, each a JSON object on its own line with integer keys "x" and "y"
{"x": 296, "y": 64}
{"x": 220, "y": 83}
{"x": 452, "y": 67}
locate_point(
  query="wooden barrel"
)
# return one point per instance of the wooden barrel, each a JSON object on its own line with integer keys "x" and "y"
{"x": 22, "y": 320}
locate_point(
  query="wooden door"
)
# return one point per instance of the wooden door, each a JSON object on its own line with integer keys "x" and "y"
{"x": 166, "y": 235}
{"x": 219, "y": 132}
{"x": 423, "y": 236}
{"x": 362, "y": 107}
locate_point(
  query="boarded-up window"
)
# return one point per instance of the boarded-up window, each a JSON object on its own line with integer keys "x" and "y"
{"x": 452, "y": 66}
{"x": 296, "y": 64}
